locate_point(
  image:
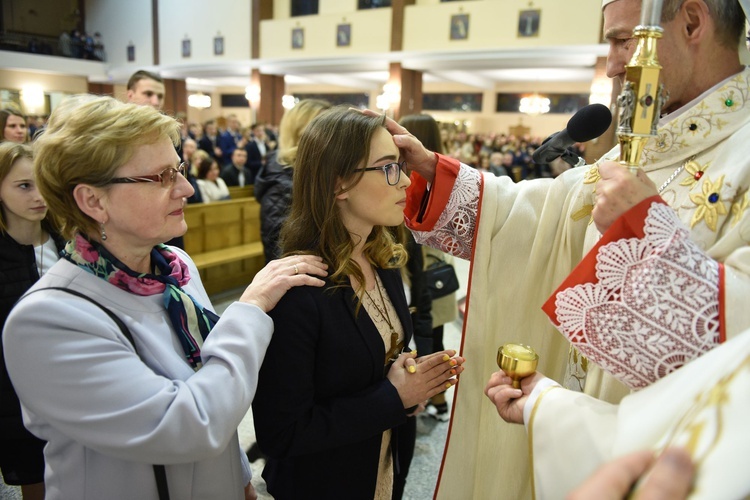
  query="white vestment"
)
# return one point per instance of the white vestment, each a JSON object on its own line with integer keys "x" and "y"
{"x": 702, "y": 407}
{"x": 524, "y": 239}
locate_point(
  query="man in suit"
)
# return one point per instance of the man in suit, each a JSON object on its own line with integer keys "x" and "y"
{"x": 236, "y": 173}
{"x": 231, "y": 138}
{"x": 189, "y": 147}
{"x": 256, "y": 149}
{"x": 209, "y": 141}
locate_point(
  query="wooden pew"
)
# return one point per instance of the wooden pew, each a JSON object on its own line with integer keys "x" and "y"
{"x": 223, "y": 239}
{"x": 241, "y": 192}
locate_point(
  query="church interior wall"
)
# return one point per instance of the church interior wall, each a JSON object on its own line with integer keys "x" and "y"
{"x": 492, "y": 24}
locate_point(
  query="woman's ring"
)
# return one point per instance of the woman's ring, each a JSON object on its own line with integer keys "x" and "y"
{"x": 296, "y": 269}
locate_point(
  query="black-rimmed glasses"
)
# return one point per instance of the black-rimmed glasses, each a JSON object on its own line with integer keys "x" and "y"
{"x": 166, "y": 177}
{"x": 392, "y": 171}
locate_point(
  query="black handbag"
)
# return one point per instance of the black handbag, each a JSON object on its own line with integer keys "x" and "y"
{"x": 440, "y": 278}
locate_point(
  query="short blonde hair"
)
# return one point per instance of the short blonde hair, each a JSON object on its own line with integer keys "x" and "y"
{"x": 10, "y": 153}
{"x": 86, "y": 140}
{"x": 292, "y": 125}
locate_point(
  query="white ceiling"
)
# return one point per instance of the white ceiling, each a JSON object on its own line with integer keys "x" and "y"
{"x": 478, "y": 69}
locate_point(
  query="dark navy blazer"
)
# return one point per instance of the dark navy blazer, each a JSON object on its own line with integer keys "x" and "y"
{"x": 323, "y": 401}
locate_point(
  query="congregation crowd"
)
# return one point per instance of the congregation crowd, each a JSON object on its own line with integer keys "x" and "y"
{"x": 75, "y": 44}
{"x": 120, "y": 381}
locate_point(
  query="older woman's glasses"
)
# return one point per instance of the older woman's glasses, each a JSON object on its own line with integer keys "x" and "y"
{"x": 392, "y": 171}
{"x": 166, "y": 176}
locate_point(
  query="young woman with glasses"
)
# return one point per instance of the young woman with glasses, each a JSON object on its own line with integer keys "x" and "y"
{"x": 335, "y": 383}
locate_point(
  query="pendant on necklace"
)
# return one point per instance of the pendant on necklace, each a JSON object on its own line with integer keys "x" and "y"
{"x": 396, "y": 348}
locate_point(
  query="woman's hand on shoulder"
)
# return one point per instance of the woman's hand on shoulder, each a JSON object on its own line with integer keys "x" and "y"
{"x": 431, "y": 375}
{"x": 278, "y": 276}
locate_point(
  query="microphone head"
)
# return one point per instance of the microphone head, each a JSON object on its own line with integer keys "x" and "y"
{"x": 589, "y": 122}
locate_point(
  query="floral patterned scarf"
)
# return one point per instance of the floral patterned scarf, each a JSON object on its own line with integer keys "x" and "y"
{"x": 190, "y": 320}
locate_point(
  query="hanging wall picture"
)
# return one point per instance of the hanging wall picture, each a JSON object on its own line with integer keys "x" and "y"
{"x": 298, "y": 38}
{"x": 459, "y": 26}
{"x": 343, "y": 35}
{"x": 528, "y": 23}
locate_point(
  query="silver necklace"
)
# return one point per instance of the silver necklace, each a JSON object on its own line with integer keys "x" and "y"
{"x": 675, "y": 174}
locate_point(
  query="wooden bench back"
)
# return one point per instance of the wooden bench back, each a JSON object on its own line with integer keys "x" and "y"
{"x": 236, "y": 192}
{"x": 219, "y": 226}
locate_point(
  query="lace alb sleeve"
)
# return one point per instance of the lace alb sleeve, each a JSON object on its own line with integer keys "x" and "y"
{"x": 655, "y": 305}
{"x": 454, "y": 231}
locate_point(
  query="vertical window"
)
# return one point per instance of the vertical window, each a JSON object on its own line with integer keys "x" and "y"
{"x": 304, "y": 7}
{"x": 373, "y": 4}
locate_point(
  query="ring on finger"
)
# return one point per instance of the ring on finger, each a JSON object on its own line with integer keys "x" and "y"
{"x": 296, "y": 269}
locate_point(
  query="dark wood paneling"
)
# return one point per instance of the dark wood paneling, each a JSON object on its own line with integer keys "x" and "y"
{"x": 155, "y": 29}
{"x": 175, "y": 96}
{"x": 101, "y": 89}
{"x": 410, "y": 82}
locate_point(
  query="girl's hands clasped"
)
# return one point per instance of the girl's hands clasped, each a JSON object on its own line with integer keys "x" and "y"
{"x": 278, "y": 276}
{"x": 430, "y": 376}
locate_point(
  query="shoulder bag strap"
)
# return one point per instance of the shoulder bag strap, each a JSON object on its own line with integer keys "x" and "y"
{"x": 160, "y": 473}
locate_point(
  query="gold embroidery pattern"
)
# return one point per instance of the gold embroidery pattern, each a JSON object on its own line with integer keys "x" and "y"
{"x": 701, "y": 120}
{"x": 701, "y": 427}
{"x": 695, "y": 173}
{"x": 592, "y": 176}
{"x": 576, "y": 371}
{"x": 709, "y": 205}
{"x": 739, "y": 207}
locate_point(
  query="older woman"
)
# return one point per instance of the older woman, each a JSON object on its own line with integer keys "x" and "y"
{"x": 29, "y": 247}
{"x": 136, "y": 379}
{"x": 13, "y": 125}
{"x": 334, "y": 382}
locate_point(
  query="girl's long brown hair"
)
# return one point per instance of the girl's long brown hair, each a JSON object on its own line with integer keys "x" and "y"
{"x": 333, "y": 145}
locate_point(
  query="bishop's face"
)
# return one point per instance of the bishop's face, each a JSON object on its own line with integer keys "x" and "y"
{"x": 620, "y": 18}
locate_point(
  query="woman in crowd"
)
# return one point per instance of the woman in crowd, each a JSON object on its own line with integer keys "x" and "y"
{"x": 444, "y": 310}
{"x": 29, "y": 246}
{"x": 13, "y": 125}
{"x": 273, "y": 184}
{"x": 211, "y": 186}
{"x": 334, "y": 381}
{"x": 418, "y": 298}
{"x": 134, "y": 379}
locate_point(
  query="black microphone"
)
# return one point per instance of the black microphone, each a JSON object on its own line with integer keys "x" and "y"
{"x": 588, "y": 123}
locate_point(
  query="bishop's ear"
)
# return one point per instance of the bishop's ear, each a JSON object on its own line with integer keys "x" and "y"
{"x": 694, "y": 14}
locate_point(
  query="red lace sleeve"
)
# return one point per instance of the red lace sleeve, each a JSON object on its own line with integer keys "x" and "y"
{"x": 645, "y": 300}
{"x": 423, "y": 205}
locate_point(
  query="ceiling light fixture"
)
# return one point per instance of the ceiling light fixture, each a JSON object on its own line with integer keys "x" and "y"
{"x": 289, "y": 101}
{"x": 534, "y": 104}
{"x": 199, "y": 100}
